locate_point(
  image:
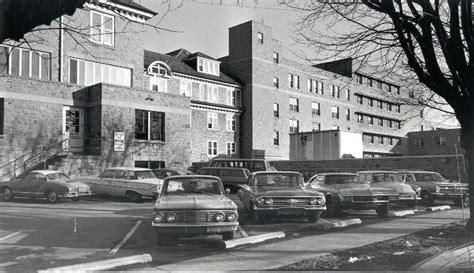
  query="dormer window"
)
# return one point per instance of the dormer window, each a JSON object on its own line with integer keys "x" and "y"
{"x": 159, "y": 69}
{"x": 208, "y": 66}
{"x": 159, "y": 75}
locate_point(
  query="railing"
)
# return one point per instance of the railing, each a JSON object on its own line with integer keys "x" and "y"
{"x": 39, "y": 155}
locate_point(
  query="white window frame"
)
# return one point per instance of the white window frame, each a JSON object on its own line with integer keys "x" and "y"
{"x": 294, "y": 104}
{"x": 160, "y": 82}
{"x": 230, "y": 122}
{"x": 186, "y": 87}
{"x": 335, "y": 112}
{"x": 212, "y": 94}
{"x": 102, "y": 29}
{"x": 213, "y": 120}
{"x": 230, "y": 148}
{"x": 315, "y": 108}
{"x": 125, "y": 79}
{"x": 294, "y": 122}
{"x": 213, "y": 146}
{"x": 30, "y": 56}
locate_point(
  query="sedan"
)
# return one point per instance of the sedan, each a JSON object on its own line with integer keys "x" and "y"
{"x": 52, "y": 185}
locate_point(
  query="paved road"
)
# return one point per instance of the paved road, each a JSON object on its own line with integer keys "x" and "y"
{"x": 36, "y": 235}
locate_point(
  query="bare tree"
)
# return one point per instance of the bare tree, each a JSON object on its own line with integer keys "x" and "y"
{"x": 431, "y": 42}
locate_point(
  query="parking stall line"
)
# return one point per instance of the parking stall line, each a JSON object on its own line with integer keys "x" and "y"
{"x": 125, "y": 239}
{"x": 9, "y": 236}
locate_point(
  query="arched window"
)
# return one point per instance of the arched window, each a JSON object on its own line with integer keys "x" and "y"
{"x": 159, "y": 69}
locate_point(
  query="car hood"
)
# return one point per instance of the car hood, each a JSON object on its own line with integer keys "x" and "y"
{"x": 194, "y": 202}
{"x": 452, "y": 184}
{"x": 69, "y": 183}
{"x": 397, "y": 186}
{"x": 275, "y": 192}
{"x": 358, "y": 189}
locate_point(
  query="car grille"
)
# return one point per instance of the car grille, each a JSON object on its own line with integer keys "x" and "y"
{"x": 290, "y": 201}
{"x": 370, "y": 198}
{"x": 452, "y": 189}
{"x": 195, "y": 216}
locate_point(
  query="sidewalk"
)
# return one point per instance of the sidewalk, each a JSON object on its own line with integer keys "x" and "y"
{"x": 457, "y": 259}
{"x": 269, "y": 256}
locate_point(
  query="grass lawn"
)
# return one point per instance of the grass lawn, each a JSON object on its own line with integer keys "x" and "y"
{"x": 395, "y": 254}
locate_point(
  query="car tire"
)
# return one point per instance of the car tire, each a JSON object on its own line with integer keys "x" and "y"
{"x": 52, "y": 197}
{"x": 426, "y": 198}
{"x": 228, "y": 235}
{"x": 75, "y": 199}
{"x": 383, "y": 210}
{"x": 313, "y": 217}
{"x": 458, "y": 202}
{"x": 134, "y": 197}
{"x": 166, "y": 239}
{"x": 7, "y": 194}
{"x": 331, "y": 210}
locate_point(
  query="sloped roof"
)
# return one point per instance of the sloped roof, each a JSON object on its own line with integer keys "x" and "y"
{"x": 177, "y": 61}
{"x": 131, "y": 4}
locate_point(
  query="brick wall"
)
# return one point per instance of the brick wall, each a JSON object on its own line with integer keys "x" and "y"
{"x": 432, "y": 145}
{"x": 446, "y": 165}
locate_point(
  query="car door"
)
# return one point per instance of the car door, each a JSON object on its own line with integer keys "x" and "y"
{"x": 100, "y": 186}
{"x": 24, "y": 187}
{"x": 38, "y": 186}
{"x": 247, "y": 192}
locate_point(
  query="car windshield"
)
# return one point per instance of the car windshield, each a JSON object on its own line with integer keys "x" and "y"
{"x": 57, "y": 176}
{"x": 385, "y": 178}
{"x": 429, "y": 177}
{"x": 342, "y": 179}
{"x": 137, "y": 175}
{"x": 192, "y": 186}
{"x": 278, "y": 180}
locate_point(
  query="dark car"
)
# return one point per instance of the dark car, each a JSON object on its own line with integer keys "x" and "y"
{"x": 165, "y": 172}
{"x": 193, "y": 204}
{"x": 52, "y": 185}
{"x": 280, "y": 194}
{"x": 253, "y": 165}
{"x": 347, "y": 191}
{"x": 231, "y": 177}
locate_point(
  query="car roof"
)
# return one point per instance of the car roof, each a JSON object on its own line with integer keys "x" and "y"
{"x": 46, "y": 172}
{"x": 275, "y": 172}
{"x": 378, "y": 171}
{"x": 223, "y": 168}
{"x": 128, "y": 169}
{"x": 237, "y": 159}
{"x": 191, "y": 176}
{"x": 335, "y": 174}
{"x": 416, "y": 172}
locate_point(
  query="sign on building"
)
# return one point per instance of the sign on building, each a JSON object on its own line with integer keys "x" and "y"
{"x": 119, "y": 141}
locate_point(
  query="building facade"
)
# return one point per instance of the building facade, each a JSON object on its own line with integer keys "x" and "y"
{"x": 281, "y": 97}
{"x": 79, "y": 86}
{"x": 435, "y": 142}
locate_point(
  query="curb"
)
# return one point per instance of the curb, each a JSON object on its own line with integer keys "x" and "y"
{"x": 102, "y": 265}
{"x": 341, "y": 223}
{"x": 253, "y": 239}
{"x": 401, "y": 213}
{"x": 445, "y": 207}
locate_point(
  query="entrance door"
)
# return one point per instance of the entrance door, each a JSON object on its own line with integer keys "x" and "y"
{"x": 73, "y": 128}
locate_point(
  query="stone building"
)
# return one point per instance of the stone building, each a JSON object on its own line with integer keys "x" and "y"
{"x": 79, "y": 85}
{"x": 435, "y": 142}
{"x": 281, "y": 97}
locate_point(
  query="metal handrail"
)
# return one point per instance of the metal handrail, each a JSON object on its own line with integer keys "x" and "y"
{"x": 40, "y": 155}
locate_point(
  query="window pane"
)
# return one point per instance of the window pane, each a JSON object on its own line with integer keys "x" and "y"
{"x": 127, "y": 77}
{"x": 89, "y": 73}
{"x": 25, "y": 63}
{"x": 157, "y": 131}
{"x": 82, "y": 72}
{"x": 141, "y": 124}
{"x": 73, "y": 71}
{"x": 108, "y": 23}
{"x": 3, "y": 59}
{"x": 97, "y": 73}
{"x": 105, "y": 73}
{"x": 112, "y": 75}
{"x": 15, "y": 62}
{"x": 35, "y": 65}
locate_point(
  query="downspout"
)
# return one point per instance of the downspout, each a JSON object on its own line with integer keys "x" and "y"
{"x": 60, "y": 49}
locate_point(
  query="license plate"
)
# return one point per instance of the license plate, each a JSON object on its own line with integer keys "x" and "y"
{"x": 290, "y": 211}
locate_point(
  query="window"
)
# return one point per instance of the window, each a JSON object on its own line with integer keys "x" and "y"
{"x": 360, "y": 118}
{"x": 371, "y": 102}
{"x": 421, "y": 128}
{"x": 88, "y": 73}
{"x": 320, "y": 88}
{"x": 381, "y": 122}
{"x": 390, "y": 123}
{"x": 380, "y": 104}
{"x": 150, "y": 164}
{"x": 230, "y": 148}
{"x": 294, "y": 126}
{"x": 26, "y": 63}
{"x": 335, "y": 93}
{"x": 276, "y": 57}
{"x": 335, "y": 112}
{"x": 276, "y": 110}
{"x": 212, "y": 120}
{"x": 276, "y": 82}
{"x": 230, "y": 123}
{"x": 310, "y": 85}
{"x": 399, "y": 125}
{"x": 398, "y": 108}
{"x": 348, "y": 114}
{"x": 315, "y": 109}
{"x": 419, "y": 141}
{"x": 211, "y": 148}
{"x": 379, "y": 84}
{"x": 389, "y": 106}
{"x": 159, "y": 84}
{"x": 260, "y": 37}
{"x": 297, "y": 81}
{"x": 360, "y": 79}
{"x": 381, "y": 140}
{"x": 370, "y": 120}
{"x": 360, "y": 100}
{"x": 348, "y": 94}
{"x": 149, "y": 125}
{"x": 316, "y": 126}
{"x": 212, "y": 94}
{"x": 390, "y": 141}
{"x": 208, "y": 66}
{"x": 369, "y": 82}
{"x": 290, "y": 80}
{"x": 294, "y": 104}
{"x": 371, "y": 139}
{"x": 314, "y": 86}
{"x": 2, "y": 115}
{"x": 411, "y": 94}
{"x": 185, "y": 88}
{"x": 231, "y": 97}
{"x": 102, "y": 28}
{"x": 398, "y": 90}
{"x": 441, "y": 141}
{"x": 276, "y": 138}
{"x": 421, "y": 113}
{"x": 335, "y": 127}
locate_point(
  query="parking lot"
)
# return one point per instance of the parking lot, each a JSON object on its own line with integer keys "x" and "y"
{"x": 35, "y": 235}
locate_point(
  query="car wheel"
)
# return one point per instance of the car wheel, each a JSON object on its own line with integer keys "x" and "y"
{"x": 7, "y": 194}
{"x": 313, "y": 217}
{"x": 166, "y": 239}
{"x": 331, "y": 209}
{"x": 228, "y": 235}
{"x": 52, "y": 197}
{"x": 75, "y": 199}
{"x": 459, "y": 201}
{"x": 134, "y": 197}
{"x": 383, "y": 210}
{"x": 426, "y": 198}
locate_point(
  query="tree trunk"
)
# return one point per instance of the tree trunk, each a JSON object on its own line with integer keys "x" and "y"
{"x": 466, "y": 119}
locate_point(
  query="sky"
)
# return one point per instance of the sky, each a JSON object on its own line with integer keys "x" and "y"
{"x": 203, "y": 24}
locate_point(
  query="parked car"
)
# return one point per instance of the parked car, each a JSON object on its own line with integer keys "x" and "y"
{"x": 231, "y": 177}
{"x": 253, "y": 165}
{"x": 52, "y": 185}
{"x": 165, "y": 172}
{"x": 193, "y": 204}
{"x": 406, "y": 194}
{"x": 131, "y": 182}
{"x": 279, "y": 194}
{"x": 347, "y": 191}
{"x": 435, "y": 187}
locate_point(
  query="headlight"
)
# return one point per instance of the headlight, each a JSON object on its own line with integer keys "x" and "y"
{"x": 259, "y": 200}
{"x": 158, "y": 218}
{"x": 171, "y": 217}
{"x": 437, "y": 188}
{"x": 231, "y": 217}
{"x": 313, "y": 201}
{"x": 219, "y": 217}
{"x": 268, "y": 201}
